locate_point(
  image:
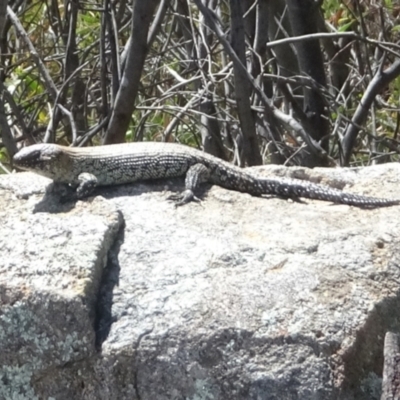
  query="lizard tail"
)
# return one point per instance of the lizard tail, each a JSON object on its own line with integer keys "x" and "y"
{"x": 297, "y": 188}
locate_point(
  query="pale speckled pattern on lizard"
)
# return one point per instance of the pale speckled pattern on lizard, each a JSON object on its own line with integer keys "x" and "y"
{"x": 131, "y": 162}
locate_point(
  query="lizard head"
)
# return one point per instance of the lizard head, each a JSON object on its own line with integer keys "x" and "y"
{"x": 39, "y": 158}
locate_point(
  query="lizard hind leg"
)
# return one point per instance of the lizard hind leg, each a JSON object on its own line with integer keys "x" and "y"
{"x": 196, "y": 175}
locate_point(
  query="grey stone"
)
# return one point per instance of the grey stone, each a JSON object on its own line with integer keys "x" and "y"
{"x": 124, "y": 296}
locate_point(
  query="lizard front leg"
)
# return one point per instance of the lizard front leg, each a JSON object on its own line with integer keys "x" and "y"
{"x": 87, "y": 183}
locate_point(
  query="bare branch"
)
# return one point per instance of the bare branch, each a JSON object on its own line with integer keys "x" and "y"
{"x": 251, "y": 149}
{"x": 336, "y": 35}
{"x": 125, "y": 101}
{"x": 377, "y": 84}
{"x": 48, "y": 81}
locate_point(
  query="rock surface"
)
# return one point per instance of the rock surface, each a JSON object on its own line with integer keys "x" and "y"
{"x": 124, "y": 296}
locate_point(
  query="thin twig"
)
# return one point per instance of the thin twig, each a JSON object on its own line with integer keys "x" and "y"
{"x": 48, "y": 81}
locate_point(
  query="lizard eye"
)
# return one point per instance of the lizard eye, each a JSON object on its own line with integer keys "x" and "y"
{"x": 35, "y": 155}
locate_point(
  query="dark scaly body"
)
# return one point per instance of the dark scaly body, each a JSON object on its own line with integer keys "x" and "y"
{"x": 88, "y": 167}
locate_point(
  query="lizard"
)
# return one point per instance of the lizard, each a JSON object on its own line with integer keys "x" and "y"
{"x": 83, "y": 169}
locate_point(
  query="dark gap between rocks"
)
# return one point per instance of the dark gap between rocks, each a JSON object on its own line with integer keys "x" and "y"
{"x": 365, "y": 357}
{"x": 103, "y": 309}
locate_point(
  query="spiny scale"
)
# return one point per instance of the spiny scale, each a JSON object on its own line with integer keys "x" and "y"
{"x": 85, "y": 168}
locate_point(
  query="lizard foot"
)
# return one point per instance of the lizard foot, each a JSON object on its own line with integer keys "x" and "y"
{"x": 183, "y": 198}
